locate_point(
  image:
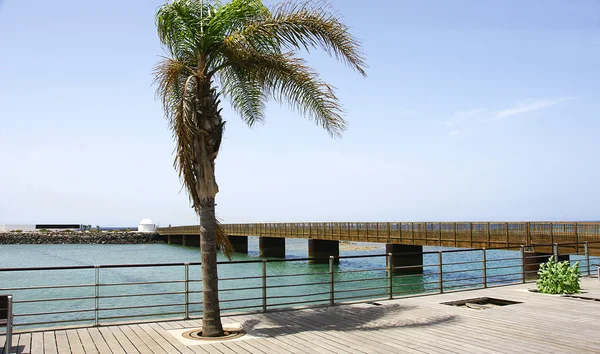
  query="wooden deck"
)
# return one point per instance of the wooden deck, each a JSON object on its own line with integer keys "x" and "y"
{"x": 539, "y": 324}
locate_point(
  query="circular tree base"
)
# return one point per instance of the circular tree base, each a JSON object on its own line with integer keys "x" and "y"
{"x": 230, "y": 333}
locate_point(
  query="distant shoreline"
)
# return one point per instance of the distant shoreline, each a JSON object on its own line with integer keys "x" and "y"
{"x": 78, "y": 237}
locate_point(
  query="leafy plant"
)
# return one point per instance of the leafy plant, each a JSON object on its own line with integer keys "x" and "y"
{"x": 17, "y": 231}
{"x": 558, "y": 277}
{"x": 44, "y": 230}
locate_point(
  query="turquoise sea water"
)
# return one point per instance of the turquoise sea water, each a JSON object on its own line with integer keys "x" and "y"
{"x": 288, "y": 283}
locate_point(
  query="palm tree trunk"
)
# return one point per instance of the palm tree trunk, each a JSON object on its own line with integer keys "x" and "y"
{"x": 211, "y": 320}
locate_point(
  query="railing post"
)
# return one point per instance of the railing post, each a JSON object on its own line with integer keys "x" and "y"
{"x": 96, "y": 295}
{"x": 187, "y": 291}
{"x": 484, "y": 268}
{"x": 390, "y": 262}
{"x": 331, "y": 281}
{"x": 440, "y": 270}
{"x": 555, "y": 248}
{"x": 587, "y": 257}
{"x": 523, "y": 263}
{"x": 264, "y": 285}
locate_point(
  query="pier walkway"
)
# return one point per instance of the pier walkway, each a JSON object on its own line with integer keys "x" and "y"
{"x": 505, "y": 235}
{"x": 537, "y": 324}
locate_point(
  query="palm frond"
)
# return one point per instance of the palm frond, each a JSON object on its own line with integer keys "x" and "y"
{"x": 304, "y": 25}
{"x": 245, "y": 96}
{"x": 286, "y": 78}
{"x": 223, "y": 241}
{"x": 179, "y": 26}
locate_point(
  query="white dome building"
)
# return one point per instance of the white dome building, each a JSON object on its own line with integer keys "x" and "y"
{"x": 146, "y": 225}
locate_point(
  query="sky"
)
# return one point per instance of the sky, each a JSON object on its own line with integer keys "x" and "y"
{"x": 471, "y": 111}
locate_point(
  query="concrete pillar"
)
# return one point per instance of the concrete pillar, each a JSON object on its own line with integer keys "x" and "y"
{"x": 271, "y": 247}
{"x": 533, "y": 260}
{"x": 176, "y": 239}
{"x": 323, "y": 248}
{"x": 192, "y": 240}
{"x": 406, "y": 255}
{"x": 239, "y": 243}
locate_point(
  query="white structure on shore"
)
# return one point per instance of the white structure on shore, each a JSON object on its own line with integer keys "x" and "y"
{"x": 146, "y": 225}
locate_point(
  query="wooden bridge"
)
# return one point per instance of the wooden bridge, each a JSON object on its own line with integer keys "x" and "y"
{"x": 536, "y": 236}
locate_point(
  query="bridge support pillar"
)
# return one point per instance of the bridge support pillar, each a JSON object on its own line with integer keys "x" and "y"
{"x": 239, "y": 243}
{"x": 532, "y": 262}
{"x": 325, "y": 249}
{"x": 191, "y": 240}
{"x": 271, "y": 247}
{"x": 406, "y": 256}
{"x": 176, "y": 239}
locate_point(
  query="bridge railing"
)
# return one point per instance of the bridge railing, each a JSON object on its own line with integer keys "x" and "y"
{"x": 447, "y": 234}
{"x": 111, "y": 294}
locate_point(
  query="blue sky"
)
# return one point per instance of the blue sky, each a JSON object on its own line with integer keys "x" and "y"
{"x": 472, "y": 110}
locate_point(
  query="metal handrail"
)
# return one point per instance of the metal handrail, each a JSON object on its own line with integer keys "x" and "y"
{"x": 334, "y": 286}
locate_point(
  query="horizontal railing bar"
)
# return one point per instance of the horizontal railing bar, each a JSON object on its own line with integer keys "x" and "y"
{"x": 362, "y": 296}
{"x": 299, "y": 302}
{"x": 463, "y": 270}
{"x": 462, "y": 279}
{"x": 360, "y": 289}
{"x": 299, "y": 295}
{"x": 241, "y": 278}
{"x": 48, "y": 287}
{"x": 232, "y": 300}
{"x": 505, "y": 267}
{"x": 137, "y": 295}
{"x": 50, "y": 313}
{"x": 503, "y": 259}
{"x": 142, "y": 283}
{"x": 136, "y": 307}
{"x": 359, "y": 271}
{"x": 241, "y": 289}
{"x": 358, "y": 280}
{"x": 141, "y": 315}
{"x": 50, "y": 300}
{"x": 460, "y": 263}
{"x": 238, "y": 308}
{"x": 417, "y": 266}
{"x": 295, "y": 275}
{"x": 295, "y": 285}
{"x": 52, "y": 322}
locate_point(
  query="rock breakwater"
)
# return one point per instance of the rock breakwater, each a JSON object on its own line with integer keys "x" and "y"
{"x": 22, "y": 238}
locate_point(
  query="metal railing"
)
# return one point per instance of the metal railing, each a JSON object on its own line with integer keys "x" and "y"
{"x": 110, "y": 294}
{"x": 448, "y": 234}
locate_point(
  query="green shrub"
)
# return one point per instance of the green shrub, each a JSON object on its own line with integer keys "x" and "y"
{"x": 17, "y": 231}
{"x": 558, "y": 278}
{"x": 44, "y": 230}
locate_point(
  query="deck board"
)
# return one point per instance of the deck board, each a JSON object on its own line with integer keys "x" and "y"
{"x": 24, "y": 343}
{"x": 74, "y": 342}
{"x": 417, "y": 325}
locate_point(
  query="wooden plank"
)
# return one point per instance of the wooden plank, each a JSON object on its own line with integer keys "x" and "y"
{"x": 99, "y": 341}
{"x": 62, "y": 342}
{"x": 120, "y": 337}
{"x": 24, "y": 343}
{"x": 112, "y": 342}
{"x": 74, "y": 342}
{"x": 37, "y": 343}
{"x": 170, "y": 346}
{"x": 86, "y": 341}
{"x": 148, "y": 341}
{"x": 139, "y": 344}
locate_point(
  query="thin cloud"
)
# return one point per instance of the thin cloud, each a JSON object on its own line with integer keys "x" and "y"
{"x": 461, "y": 116}
{"x": 454, "y": 133}
{"x": 528, "y": 107}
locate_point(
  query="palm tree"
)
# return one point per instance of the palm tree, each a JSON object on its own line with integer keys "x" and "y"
{"x": 247, "y": 53}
